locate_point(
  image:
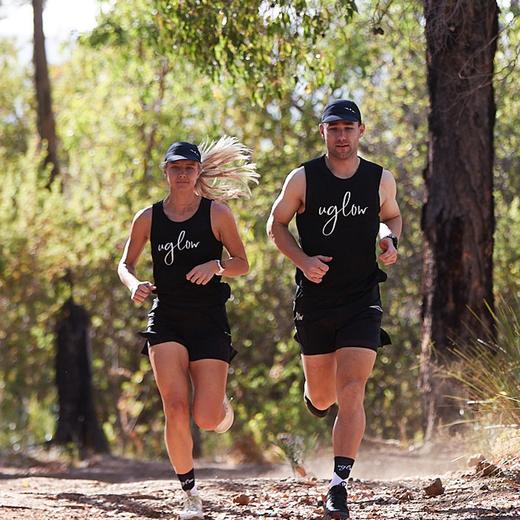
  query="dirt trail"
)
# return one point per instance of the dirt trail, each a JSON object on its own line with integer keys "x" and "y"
{"x": 123, "y": 489}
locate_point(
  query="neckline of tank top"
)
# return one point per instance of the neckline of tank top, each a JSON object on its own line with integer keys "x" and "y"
{"x": 180, "y": 221}
{"x": 361, "y": 160}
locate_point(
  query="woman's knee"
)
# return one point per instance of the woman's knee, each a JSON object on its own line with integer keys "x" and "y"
{"x": 175, "y": 408}
{"x": 206, "y": 418}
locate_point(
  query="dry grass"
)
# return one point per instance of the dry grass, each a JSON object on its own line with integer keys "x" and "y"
{"x": 489, "y": 370}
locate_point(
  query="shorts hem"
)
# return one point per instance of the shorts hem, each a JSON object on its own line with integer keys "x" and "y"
{"x": 228, "y": 361}
{"x": 331, "y": 350}
{"x": 153, "y": 338}
{"x": 359, "y": 344}
{"x": 192, "y": 356}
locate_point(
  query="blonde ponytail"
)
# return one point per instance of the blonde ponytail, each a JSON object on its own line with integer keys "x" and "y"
{"x": 226, "y": 170}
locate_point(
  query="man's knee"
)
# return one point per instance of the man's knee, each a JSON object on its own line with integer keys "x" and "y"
{"x": 351, "y": 393}
{"x": 321, "y": 397}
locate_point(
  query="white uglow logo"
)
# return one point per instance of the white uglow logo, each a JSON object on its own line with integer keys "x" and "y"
{"x": 334, "y": 212}
{"x": 181, "y": 244}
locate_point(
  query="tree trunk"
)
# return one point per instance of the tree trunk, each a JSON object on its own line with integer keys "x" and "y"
{"x": 45, "y": 115}
{"x": 77, "y": 421}
{"x": 458, "y": 216}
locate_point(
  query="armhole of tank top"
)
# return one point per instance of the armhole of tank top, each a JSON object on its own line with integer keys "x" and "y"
{"x": 155, "y": 217}
{"x": 306, "y": 177}
{"x": 379, "y": 172}
{"x": 210, "y": 205}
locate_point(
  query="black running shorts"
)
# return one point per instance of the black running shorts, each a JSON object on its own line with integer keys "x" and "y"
{"x": 204, "y": 331}
{"x": 355, "y": 324}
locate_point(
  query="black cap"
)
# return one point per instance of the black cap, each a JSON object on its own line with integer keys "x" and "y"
{"x": 341, "y": 110}
{"x": 182, "y": 150}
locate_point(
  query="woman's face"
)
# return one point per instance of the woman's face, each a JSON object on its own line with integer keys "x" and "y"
{"x": 182, "y": 175}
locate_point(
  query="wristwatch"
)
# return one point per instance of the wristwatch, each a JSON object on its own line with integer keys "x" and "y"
{"x": 220, "y": 268}
{"x": 394, "y": 239}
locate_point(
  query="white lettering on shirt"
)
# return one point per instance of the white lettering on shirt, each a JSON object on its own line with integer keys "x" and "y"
{"x": 170, "y": 247}
{"x": 346, "y": 209}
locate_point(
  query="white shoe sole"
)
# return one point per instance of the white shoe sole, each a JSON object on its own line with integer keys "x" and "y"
{"x": 190, "y": 516}
{"x": 227, "y": 422}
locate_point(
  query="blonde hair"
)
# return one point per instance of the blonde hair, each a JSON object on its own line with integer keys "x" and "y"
{"x": 226, "y": 169}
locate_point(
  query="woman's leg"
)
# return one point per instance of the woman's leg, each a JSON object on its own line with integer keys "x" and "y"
{"x": 170, "y": 365}
{"x": 209, "y": 378}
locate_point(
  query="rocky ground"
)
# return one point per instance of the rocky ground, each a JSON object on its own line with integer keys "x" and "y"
{"x": 118, "y": 488}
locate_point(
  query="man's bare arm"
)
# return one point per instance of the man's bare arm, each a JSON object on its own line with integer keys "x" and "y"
{"x": 290, "y": 200}
{"x": 390, "y": 219}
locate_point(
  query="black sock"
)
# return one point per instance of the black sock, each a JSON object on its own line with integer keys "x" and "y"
{"x": 187, "y": 480}
{"x": 342, "y": 469}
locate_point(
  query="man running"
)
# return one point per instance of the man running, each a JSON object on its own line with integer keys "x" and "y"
{"x": 343, "y": 204}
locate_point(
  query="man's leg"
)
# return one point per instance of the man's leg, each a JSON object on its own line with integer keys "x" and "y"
{"x": 320, "y": 379}
{"x": 354, "y": 366}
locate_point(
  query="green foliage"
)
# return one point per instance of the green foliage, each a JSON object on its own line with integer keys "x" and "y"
{"x": 260, "y": 44}
{"x": 120, "y": 101}
{"x": 507, "y": 253}
{"x": 507, "y": 161}
{"x": 15, "y": 92}
{"x": 115, "y": 119}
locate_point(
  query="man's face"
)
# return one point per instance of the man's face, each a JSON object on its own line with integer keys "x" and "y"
{"x": 342, "y": 138}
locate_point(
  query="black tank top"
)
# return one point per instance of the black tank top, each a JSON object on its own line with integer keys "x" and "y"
{"x": 177, "y": 247}
{"x": 341, "y": 220}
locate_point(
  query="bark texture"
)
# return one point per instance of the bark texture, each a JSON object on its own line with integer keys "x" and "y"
{"x": 458, "y": 216}
{"x": 45, "y": 115}
{"x": 77, "y": 421}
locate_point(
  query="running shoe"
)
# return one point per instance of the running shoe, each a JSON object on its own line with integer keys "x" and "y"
{"x": 227, "y": 422}
{"x": 336, "y": 503}
{"x": 191, "y": 507}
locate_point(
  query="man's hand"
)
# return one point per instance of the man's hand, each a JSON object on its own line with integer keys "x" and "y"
{"x": 203, "y": 273}
{"x": 389, "y": 254}
{"x": 141, "y": 291}
{"x": 314, "y": 267}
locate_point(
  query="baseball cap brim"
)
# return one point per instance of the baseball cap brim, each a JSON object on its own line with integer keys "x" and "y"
{"x": 176, "y": 157}
{"x": 347, "y": 117}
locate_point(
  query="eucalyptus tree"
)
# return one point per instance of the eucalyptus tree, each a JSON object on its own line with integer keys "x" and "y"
{"x": 458, "y": 216}
{"x": 45, "y": 116}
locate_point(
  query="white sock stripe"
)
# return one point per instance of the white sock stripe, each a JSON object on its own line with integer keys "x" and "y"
{"x": 338, "y": 481}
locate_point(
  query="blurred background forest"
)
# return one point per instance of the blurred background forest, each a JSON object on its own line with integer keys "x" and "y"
{"x": 123, "y": 94}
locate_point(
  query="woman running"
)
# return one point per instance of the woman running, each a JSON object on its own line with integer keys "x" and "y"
{"x": 188, "y": 335}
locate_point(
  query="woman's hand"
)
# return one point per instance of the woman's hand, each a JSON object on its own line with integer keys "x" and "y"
{"x": 203, "y": 273}
{"x": 141, "y": 291}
